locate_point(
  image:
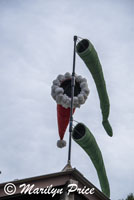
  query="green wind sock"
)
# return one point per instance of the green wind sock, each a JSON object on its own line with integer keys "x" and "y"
{"x": 89, "y": 55}
{"x": 82, "y": 136}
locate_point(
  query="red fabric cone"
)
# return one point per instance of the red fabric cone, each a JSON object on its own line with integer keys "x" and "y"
{"x": 63, "y": 116}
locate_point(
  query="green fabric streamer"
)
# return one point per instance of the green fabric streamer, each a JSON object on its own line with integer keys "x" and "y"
{"x": 82, "y": 136}
{"x": 89, "y": 55}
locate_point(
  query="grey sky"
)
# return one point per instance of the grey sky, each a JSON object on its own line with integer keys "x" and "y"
{"x": 36, "y": 44}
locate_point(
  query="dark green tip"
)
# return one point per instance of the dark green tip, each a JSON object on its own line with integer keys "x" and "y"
{"x": 108, "y": 128}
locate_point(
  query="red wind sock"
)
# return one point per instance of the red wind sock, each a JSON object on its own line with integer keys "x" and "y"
{"x": 63, "y": 116}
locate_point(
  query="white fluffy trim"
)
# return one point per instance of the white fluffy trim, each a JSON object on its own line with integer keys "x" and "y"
{"x": 58, "y": 95}
{"x": 61, "y": 143}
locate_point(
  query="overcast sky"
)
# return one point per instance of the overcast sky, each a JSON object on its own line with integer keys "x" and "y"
{"x": 36, "y": 45}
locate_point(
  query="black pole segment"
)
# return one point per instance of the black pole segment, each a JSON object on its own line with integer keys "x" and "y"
{"x": 72, "y": 96}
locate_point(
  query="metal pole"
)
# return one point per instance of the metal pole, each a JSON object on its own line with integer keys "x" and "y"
{"x": 72, "y": 96}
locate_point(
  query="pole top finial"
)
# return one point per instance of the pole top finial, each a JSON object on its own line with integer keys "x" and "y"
{"x": 75, "y": 38}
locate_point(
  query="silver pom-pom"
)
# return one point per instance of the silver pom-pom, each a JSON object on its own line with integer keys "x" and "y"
{"x": 61, "y": 143}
